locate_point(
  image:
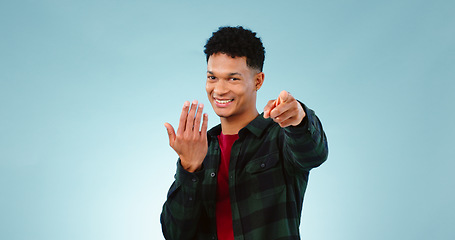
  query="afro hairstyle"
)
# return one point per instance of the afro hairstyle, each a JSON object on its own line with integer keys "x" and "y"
{"x": 237, "y": 42}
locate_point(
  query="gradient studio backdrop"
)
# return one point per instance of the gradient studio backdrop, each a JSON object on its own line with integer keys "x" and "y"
{"x": 85, "y": 87}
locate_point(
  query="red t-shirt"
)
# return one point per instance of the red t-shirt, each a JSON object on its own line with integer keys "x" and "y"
{"x": 223, "y": 202}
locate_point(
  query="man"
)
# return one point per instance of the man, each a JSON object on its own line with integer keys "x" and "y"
{"x": 245, "y": 178}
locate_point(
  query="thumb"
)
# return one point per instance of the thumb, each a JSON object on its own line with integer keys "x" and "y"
{"x": 270, "y": 105}
{"x": 170, "y": 133}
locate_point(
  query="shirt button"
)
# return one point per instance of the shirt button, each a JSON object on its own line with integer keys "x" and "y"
{"x": 190, "y": 198}
{"x": 212, "y": 174}
{"x": 262, "y": 165}
{"x": 194, "y": 180}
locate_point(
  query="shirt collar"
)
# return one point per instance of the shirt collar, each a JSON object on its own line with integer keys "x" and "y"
{"x": 256, "y": 127}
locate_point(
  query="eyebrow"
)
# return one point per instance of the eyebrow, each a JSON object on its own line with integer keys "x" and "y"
{"x": 230, "y": 74}
{"x": 235, "y": 73}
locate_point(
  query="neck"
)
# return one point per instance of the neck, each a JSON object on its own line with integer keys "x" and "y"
{"x": 232, "y": 125}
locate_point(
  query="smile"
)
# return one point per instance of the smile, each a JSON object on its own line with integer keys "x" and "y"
{"x": 223, "y": 101}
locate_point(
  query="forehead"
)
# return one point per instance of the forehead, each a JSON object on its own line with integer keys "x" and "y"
{"x": 221, "y": 63}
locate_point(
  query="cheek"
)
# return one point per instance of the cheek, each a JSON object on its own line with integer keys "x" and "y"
{"x": 249, "y": 86}
{"x": 209, "y": 89}
{"x": 245, "y": 90}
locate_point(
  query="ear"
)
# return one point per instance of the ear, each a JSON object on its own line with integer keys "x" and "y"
{"x": 259, "y": 80}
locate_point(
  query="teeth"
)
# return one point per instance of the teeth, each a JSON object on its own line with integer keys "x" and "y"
{"x": 223, "y": 101}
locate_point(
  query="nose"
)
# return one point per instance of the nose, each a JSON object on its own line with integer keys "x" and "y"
{"x": 220, "y": 88}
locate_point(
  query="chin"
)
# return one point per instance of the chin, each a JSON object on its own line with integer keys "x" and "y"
{"x": 222, "y": 114}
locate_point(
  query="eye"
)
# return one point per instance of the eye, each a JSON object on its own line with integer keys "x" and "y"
{"x": 211, "y": 77}
{"x": 234, "y": 79}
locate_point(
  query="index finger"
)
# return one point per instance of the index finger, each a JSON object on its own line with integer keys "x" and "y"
{"x": 285, "y": 96}
{"x": 183, "y": 117}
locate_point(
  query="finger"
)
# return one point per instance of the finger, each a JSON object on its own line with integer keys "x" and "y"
{"x": 190, "y": 118}
{"x": 283, "y": 117}
{"x": 197, "y": 122}
{"x": 270, "y": 105}
{"x": 292, "y": 116}
{"x": 285, "y": 96}
{"x": 183, "y": 116}
{"x": 170, "y": 133}
{"x": 204, "y": 126}
{"x": 288, "y": 122}
{"x": 279, "y": 109}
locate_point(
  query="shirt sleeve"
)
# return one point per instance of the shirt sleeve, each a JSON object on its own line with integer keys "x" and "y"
{"x": 182, "y": 209}
{"x": 305, "y": 145}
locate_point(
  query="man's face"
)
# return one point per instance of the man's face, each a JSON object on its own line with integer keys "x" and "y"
{"x": 231, "y": 86}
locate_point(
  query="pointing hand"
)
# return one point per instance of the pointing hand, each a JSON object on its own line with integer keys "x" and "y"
{"x": 285, "y": 110}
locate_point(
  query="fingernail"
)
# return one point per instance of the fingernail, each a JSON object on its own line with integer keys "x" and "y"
{"x": 201, "y": 105}
{"x": 186, "y": 104}
{"x": 194, "y": 102}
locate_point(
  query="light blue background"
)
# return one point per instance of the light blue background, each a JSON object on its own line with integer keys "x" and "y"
{"x": 85, "y": 87}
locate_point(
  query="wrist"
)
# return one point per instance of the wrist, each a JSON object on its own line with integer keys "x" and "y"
{"x": 189, "y": 166}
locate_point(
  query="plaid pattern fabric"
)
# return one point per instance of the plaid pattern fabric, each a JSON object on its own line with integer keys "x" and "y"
{"x": 268, "y": 176}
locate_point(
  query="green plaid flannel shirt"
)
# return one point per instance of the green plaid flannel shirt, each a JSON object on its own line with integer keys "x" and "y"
{"x": 268, "y": 173}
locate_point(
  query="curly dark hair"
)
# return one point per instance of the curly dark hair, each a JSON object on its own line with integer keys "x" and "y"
{"x": 237, "y": 42}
